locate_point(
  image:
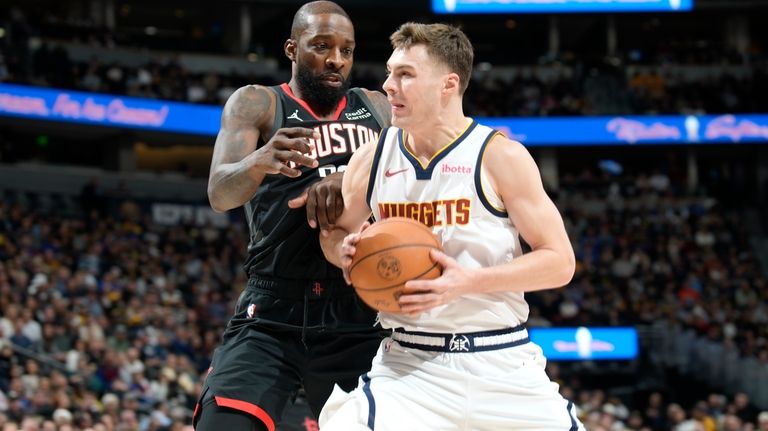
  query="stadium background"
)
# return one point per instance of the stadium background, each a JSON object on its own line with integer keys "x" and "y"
{"x": 116, "y": 279}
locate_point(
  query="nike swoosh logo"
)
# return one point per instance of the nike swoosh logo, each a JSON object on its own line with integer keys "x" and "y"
{"x": 389, "y": 173}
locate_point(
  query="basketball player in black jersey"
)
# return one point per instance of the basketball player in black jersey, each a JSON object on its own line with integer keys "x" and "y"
{"x": 296, "y": 324}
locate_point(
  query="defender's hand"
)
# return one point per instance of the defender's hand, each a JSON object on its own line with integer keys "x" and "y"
{"x": 287, "y": 145}
{"x": 323, "y": 200}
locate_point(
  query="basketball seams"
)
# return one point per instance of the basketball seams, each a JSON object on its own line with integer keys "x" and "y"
{"x": 395, "y": 247}
{"x": 434, "y": 264}
{"x": 392, "y": 251}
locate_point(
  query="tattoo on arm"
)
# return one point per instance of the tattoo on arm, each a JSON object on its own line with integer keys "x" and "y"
{"x": 229, "y": 184}
{"x": 244, "y": 114}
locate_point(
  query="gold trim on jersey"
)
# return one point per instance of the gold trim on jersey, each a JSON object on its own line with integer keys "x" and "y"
{"x": 404, "y": 137}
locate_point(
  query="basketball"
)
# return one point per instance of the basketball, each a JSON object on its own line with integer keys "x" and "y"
{"x": 391, "y": 252}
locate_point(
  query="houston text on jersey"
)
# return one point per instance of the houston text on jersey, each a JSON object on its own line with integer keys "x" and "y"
{"x": 340, "y": 138}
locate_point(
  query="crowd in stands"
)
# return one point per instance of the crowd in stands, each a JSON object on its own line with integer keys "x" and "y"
{"x": 528, "y": 92}
{"x": 716, "y": 412}
{"x": 610, "y": 87}
{"x": 50, "y": 66}
{"x": 108, "y": 320}
{"x": 648, "y": 250}
{"x": 651, "y": 253}
{"x": 124, "y": 313}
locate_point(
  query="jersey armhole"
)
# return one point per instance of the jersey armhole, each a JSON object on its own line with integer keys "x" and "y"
{"x": 375, "y": 166}
{"x": 367, "y": 100}
{"x": 279, "y": 119}
{"x": 490, "y": 200}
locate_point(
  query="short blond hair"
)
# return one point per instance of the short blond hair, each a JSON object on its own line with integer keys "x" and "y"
{"x": 448, "y": 44}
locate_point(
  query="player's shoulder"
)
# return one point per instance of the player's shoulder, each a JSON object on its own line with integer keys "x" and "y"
{"x": 500, "y": 143}
{"x": 379, "y": 102}
{"x": 506, "y": 158}
{"x": 376, "y": 97}
{"x": 373, "y": 94}
{"x": 252, "y": 93}
{"x": 366, "y": 151}
{"x": 253, "y": 102}
{"x": 365, "y": 154}
{"x": 389, "y": 132}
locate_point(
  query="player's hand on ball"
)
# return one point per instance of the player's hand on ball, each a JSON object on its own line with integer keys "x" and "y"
{"x": 348, "y": 250}
{"x": 420, "y": 296}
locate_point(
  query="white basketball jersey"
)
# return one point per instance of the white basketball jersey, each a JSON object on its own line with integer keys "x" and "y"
{"x": 452, "y": 195}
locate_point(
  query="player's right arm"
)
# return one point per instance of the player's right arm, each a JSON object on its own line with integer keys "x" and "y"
{"x": 238, "y": 165}
{"x": 339, "y": 244}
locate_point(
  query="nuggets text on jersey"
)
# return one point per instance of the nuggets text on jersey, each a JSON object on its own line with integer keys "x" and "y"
{"x": 446, "y": 212}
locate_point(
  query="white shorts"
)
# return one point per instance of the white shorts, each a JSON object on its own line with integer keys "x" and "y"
{"x": 411, "y": 389}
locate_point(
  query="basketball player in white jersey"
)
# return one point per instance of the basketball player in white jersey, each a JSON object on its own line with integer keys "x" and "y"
{"x": 459, "y": 357}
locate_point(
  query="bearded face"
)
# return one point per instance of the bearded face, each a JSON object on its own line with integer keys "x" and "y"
{"x": 323, "y": 57}
{"x": 322, "y": 90}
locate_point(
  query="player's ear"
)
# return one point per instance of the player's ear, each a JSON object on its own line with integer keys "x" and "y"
{"x": 451, "y": 83}
{"x": 290, "y": 49}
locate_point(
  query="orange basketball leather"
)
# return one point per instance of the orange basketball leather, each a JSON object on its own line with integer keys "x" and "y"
{"x": 391, "y": 252}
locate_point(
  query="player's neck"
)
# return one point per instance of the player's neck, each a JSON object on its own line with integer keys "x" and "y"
{"x": 427, "y": 140}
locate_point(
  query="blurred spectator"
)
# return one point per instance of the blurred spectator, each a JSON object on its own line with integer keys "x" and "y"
{"x": 762, "y": 421}
{"x": 621, "y": 86}
{"x": 131, "y": 310}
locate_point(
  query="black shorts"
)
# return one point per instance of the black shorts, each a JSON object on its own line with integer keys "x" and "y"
{"x": 285, "y": 336}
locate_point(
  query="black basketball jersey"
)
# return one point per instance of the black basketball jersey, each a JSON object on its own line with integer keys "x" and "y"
{"x": 282, "y": 245}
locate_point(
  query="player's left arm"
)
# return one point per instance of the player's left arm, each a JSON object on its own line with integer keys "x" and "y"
{"x": 336, "y": 243}
{"x": 516, "y": 179}
{"x": 550, "y": 264}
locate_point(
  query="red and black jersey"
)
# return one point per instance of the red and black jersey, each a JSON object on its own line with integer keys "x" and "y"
{"x": 282, "y": 245}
